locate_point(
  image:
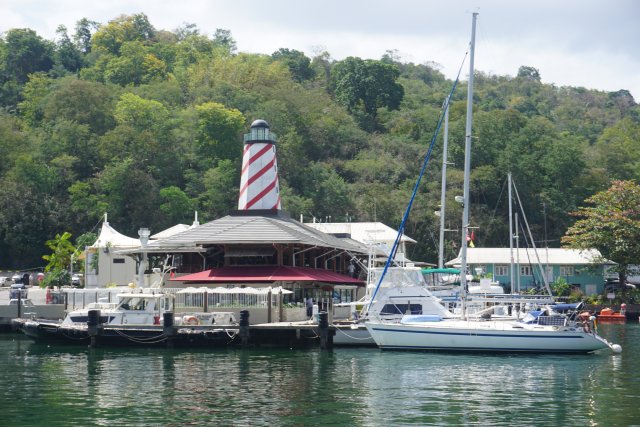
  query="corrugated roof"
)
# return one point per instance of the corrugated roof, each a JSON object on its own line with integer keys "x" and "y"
{"x": 255, "y": 227}
{"x": 365, "y": 232}
{"x": 555, "y": 256}
{"x": 267, "y": 274}
{"x": 178, "y": 228}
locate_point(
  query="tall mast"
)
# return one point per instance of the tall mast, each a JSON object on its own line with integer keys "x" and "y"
{"x": 512, "y": 265}
{"x": 467, "y": 168}
{"x": 517, "y": 237}
{"x": 443, "y": 190}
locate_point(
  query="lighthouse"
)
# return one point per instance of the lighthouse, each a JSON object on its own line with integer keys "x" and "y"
{"x": 259, "y": 187}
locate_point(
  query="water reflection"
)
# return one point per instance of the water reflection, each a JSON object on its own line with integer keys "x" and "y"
{"x": 78, "y": 386}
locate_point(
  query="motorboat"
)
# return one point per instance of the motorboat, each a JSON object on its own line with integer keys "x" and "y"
{"x": 144, "y": 309}
{"x": 607, "y": 315}
{"x": 135, "y": 319}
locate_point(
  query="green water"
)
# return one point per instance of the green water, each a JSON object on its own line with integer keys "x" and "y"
{"x": 44, "y": 385}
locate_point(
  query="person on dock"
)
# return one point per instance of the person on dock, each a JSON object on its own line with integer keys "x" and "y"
{"x": 309, "y": 307}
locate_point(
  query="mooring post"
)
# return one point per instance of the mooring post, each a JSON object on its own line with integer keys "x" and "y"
{"x": 323, "y": 325}
{"x": 168, "y": 327}
{"x": 244, "y": 326}
{"x": 93, "y": 320}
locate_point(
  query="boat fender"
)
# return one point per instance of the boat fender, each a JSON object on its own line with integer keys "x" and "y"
{"x": 191, "y": 320}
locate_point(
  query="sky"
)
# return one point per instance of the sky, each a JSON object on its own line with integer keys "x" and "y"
{"x": 581, "y": 43}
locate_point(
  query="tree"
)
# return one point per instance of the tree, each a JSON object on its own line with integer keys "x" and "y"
{"x": 224, "y": 39}
{"x": 110, "y": 38}
{"x": 218, "y": 129}
{"x": 26, "y": 53}
{"x": 141, "y": 114}
{"x": 84, "y": 31}
{"x": 611, "y": 225}
{"x": 176, "y": 205}
{"x": 530, "y": 73}
{"x": 67, "y": 55}
{"x": 366, "y": 85}
{"x": 59, "y": 261}
{"x": 299, "y": 65}
{"x": 134, "y": 65}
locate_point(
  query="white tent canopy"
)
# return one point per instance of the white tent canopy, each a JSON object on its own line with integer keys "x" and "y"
{"x": 110, "y": 237}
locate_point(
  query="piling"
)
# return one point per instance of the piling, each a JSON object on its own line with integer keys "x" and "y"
{"x": 244, "y": 327}
{"x": 93, "y": 322}
{"x": 326, "y": 340}
{"x": 168, "y": 327}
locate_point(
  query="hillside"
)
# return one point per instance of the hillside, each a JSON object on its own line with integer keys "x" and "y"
{"x": 147, "y": 125}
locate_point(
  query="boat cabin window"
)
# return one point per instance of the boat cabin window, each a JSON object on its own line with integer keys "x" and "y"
{"x": 131, "y": 303}
{"x": 401, "y": 309}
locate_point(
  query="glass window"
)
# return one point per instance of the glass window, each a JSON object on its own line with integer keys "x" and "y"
{"x": 526, "y": 270}
{"x": 566, "y": 270}
{"x": 502, "y": 270}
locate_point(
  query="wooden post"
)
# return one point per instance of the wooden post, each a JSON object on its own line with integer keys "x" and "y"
{"x": 244, "y": 327}
{"x": 168, "y": 327}
{"x": 323, "y": 326}
{"x": 93, "y": 321}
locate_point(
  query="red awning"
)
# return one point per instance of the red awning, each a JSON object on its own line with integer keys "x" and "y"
{"x": 267, "y": 274}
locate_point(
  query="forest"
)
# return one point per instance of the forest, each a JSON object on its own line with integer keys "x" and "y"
{"x": 146, "y": 125}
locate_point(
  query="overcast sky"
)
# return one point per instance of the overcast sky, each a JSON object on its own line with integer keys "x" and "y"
{"x": 590, "y": 43}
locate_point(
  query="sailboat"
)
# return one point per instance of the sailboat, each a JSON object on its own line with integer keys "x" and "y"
{"x": 555, "y": 329}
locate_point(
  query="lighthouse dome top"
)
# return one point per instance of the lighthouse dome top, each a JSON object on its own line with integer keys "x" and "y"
{"x": 259, "y": 133}
{"x": 259, "y": 124}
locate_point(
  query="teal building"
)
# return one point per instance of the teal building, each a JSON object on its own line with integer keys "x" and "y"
{"x": 582, "y": 269}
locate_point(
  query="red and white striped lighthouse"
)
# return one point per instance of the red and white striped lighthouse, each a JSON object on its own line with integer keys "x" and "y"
{"x": 259, "y": 188}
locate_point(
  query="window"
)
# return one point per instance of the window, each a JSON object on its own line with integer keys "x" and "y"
{"x": 525, "y": 270}
{"x": 479, "y": 269}
{"x": 566, "y": 270}
{"x": 502, "y": 270}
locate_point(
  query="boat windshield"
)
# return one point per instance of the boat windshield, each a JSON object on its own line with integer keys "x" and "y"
{"x": 134, "y": 303}
{"x": 397, "y": 277}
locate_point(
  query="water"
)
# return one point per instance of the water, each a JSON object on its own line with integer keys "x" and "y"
{"x": 76, "y": 386}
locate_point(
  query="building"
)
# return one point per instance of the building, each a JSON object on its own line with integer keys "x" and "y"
{"x": 582, "y": 269}
{"x": 376, "y": 236}
{"x": 258, "y": 245}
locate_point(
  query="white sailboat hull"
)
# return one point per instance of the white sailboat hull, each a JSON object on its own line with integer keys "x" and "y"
{"x": 460, "y": 335}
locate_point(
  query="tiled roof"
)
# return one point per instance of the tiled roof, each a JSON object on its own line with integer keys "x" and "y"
{"x": 255, "y": 227}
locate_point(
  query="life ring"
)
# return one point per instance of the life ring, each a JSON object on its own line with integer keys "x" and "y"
{"x": 191, "y": 320}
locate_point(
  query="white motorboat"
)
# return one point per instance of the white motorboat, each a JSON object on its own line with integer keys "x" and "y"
{"x": 144, "y": 309}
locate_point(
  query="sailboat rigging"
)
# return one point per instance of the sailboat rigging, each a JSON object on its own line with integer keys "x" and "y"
{"x": 554, "y": 329}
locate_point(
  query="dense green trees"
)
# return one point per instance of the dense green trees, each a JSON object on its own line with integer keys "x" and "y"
{"x": 146, "y": 124}
{"x": 610, "y": 224}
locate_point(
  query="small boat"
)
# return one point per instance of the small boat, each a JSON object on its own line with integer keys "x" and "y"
{"x": 609, "y": 316}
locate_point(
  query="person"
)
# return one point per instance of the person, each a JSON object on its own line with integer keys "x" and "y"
{"x": 352, "y": 270}
{"x": 309, "y": 307}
